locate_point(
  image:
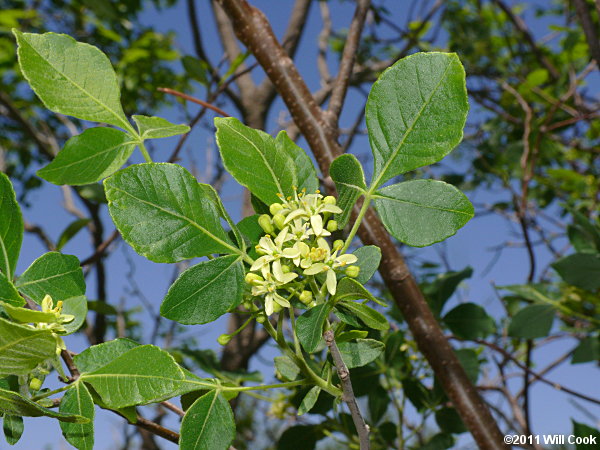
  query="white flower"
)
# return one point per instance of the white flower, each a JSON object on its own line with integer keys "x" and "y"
{"x": 269, "y": 287}
{"x": 273, "y": 251}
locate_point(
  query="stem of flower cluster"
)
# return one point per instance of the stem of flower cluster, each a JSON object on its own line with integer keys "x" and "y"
{"x": 357, "y": 222}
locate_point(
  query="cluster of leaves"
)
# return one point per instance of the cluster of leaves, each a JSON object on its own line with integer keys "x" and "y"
{"x": 415, "y": 115}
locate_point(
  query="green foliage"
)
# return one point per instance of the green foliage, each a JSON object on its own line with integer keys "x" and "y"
{"x": 11, "y": 228}
{"x": 423, "y": 212}
{"x": 531, "y": 322}
{"x": 581, "y": 270}
{"x": 173, "y": 222}
{"x": 470, "y": 321}
{"x": 347, "y": 174}
{"x": 13, "y": 428}
{"x": 157, "y": 127}
{"x": 14, "y": 404}
{"x": 78, "y": 400}
{"x": 89, "y": 157}
{"x": 208, "y": 424}
{"x": 415, "y": 113}
{"x": 54, "y": 274}
{"x": 361, "y": 352}
{"x": 205, "y": 292}
{"x": 8, "y": 292}
{"x": 309, "y": 327}
{"x": 369, "y": 258}
{"x": 23, "y": 348}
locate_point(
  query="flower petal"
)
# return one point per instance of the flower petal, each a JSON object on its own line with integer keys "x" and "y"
{"x": 346, "y": 259}
{"x": 331, "y": 282}
{"x": 316, "y": 222}
{"x": 316, "y": 268}
{"x": 269, "y": 304}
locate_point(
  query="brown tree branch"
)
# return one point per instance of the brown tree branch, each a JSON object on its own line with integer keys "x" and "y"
{"x": 254, "y": 31}
{"x": 348, "y": 393}
{"x": 189, "y": 98}
{"x": 589, "y": 29}
{"x": 340, "y": 85}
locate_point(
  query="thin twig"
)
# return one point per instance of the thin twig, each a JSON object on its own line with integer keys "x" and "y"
{"x": 589, "y": 29}
{"x": 177, "y": 410}
{"x": 340, "y": 86}
{"x": 39, "y": 232}
{"x": 194, "y": 100}
{"x": 100, "y": 250}
{"x": 348, "y": 396}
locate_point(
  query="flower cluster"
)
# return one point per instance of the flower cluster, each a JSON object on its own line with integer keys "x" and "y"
{"x": 294, "y": 251}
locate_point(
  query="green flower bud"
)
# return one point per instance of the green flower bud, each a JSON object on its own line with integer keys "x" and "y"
{"x": 275, "y": 208}
{"x": 265, "y": 223}
{"x": 224, "y": 339}
{"x": 35, "y": 384}
{"x": 251, "y": 278}
{"x": 338, "y": 244}
{"x": 330, "y": 200}
{"x": 332, "y": 226}
{"x": 285, "y": 268}
{"x": 279, "y": 221}
{"x": 261, "y": 318}
{"x": 352, "y": 271}
{"x": 306, "y": 297}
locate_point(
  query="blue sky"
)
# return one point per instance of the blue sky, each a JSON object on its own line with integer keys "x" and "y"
{"x": 470, "y": 247}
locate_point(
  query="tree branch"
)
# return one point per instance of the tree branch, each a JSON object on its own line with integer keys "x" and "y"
{"x": 348, "y": 396}
{"x": 340, "y": 86}
{"x": 589, "y": 29}
{"x": 254, "y": 31}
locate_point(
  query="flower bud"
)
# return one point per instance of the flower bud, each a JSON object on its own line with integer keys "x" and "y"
{"x": 224, "y": 339}
{"x": 265, "y": 223}
{"x": 330, "y": 200}
{"x": 285, "y": 268}
{"x": 306, "y": 297}
{"x": 35, "y": 384}
{"x": 261, "y": 318}
{"x": 338, "y": 244}
{"x": 332, "y": 226}
{"x": 251, "y": 278}
{"x": 275, "y": 208}
{"x": 352, "y": 271}
{"x": 279, "y": 221}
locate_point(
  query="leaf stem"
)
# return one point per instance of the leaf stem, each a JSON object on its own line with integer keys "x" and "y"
{"x": 145, "y": 152}
{"x": 49, "y": 393}
{"x": 264, "y": 387}
{"x": 357, "y": 222}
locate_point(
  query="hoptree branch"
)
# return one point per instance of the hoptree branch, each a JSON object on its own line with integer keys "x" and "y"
{"x": 340, "y": 86}
{"x": 255, "y": 32}
{"x": 348, "y": 394}
{"x": 589, "y": 29}
{"x": 194, "y": 100}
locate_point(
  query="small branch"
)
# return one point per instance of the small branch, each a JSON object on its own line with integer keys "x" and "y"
{"x": 68, "y": 359}
{"x": 348, "y": 394}
{"x": 99, "y": 252}
{"x": 180, "y": 412}
{"x": 39, "y": 232}
{"x": 157, "y": 429}
{"x": 194, "y": 100}
{"x": 340, "y": 86}
{"x": 589, "y": 29}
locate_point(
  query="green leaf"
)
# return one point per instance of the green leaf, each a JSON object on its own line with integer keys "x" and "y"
{"x": 97, "y": 356}
{"x": 469, "y": 321}
{"x": 162, "y": 213}
{"x": 157, "y": 127}
{"x": 69, "y": 233}
{"x": 195, "y": 68}
{"x": 13, "y": 427}
{"x": 423, "y": 212}
{"x": 286, "y": 368}
{"x": 142, "y": 375}
{"x": 371, "y": 318}
{"x": 306, "y": 175}
{"x": 75, "y": 306}
{"x": 22, "y": 348}
{"x": 11, "y": 228}
{"x": 208, "y": 424}
{"x": 309, "y": 326}
{"x": 361, "y": 352}
{"x": 54, "y": 274}
{"x": 449, "y": 421}
{"x": 415, "y": 113}
{"x": 378, "y": 402}
{"x": 590, "y": 437}
{"x": 350, "y": 289}
{"x": 256, "y": 160}
{"x": 369, "y": 258}
{"x": 440, "y": 291}
{"x": 588, "y": 350}
{"x": 349, "y": 178}
{"x": 581, "y": 270}
{"x": 211, "y": 193}
{"x": 14, "y": 404}
{"x": 78, "y": 400}
{"x": 468, "y": 359}
{"x": 346, "y": 336}
{"x": 205, "y": 292}
{"x": 309, "y": 400}
{"x": 250, "y": 228}
{"x": 8, "y": 292}
{"x": 26, "y": 315}
{"x": 89, "y": 157}
{"x": 531, "y": 322}
{"x": 71, "y": 78}
{"x": 308, "y": 435}
{"x": 440, "y": 441}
